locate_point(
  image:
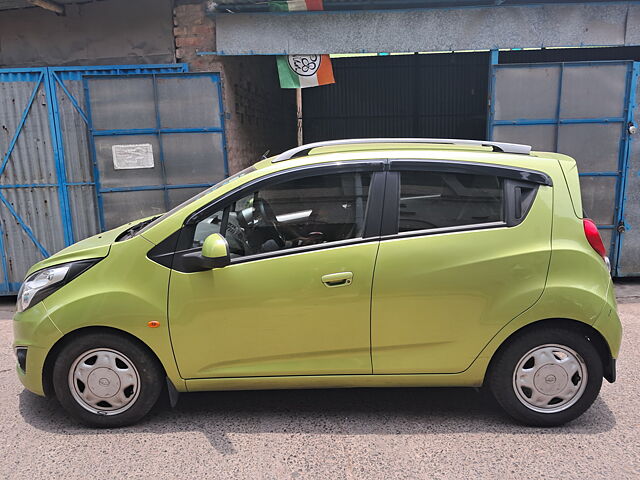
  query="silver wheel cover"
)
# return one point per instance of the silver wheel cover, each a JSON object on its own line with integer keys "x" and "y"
{"x": 550, "y": 378}
{"x": 104, "y": 381}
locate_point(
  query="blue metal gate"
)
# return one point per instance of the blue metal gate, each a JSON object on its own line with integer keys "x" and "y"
{"x": 582, "y": 109}
{"x": 57, "y": 186}
{"x": 178, "y": 117}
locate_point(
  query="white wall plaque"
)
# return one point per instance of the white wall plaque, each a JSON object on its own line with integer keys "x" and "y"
{"x": 132, "y": 156}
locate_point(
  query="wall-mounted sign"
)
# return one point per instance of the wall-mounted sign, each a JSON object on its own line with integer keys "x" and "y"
{"x": 132, "y": 156}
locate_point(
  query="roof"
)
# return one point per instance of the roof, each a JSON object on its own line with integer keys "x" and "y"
{"x": 240, "y": 6}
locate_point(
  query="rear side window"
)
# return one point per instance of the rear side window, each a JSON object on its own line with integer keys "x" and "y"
{"x": 431, "y": 200}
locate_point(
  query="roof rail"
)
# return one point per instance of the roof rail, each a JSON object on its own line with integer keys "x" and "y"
{"x": 497, "y": 146}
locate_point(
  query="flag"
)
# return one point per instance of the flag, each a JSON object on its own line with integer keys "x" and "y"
{"x": 302, "y": 71}
{"x": 295, "y": 5}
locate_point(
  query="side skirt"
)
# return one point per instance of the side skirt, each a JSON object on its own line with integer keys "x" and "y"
{"x": 473, "y": 377}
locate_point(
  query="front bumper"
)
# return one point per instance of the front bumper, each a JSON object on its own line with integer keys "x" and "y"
{"x": 34, "y": 331}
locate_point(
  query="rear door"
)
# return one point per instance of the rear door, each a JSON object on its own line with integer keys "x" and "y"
{"x": 465, "y": 249}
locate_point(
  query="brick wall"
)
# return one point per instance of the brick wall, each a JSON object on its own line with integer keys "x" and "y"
{"x": 194, "y": 31}
{"x": 259, "y": 115}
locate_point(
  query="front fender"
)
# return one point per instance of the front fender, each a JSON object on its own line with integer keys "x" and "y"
{"x": 125, "y": 291}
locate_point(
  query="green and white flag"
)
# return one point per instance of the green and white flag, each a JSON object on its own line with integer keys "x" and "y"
{"x": 302, "y": 71}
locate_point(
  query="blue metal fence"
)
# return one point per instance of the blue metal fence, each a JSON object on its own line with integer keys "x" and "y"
{"x": 157, "y": 132}
{"x": 632, "y": 268}
{"x": 52, "y": 196}
{"x": 625, "y": 103}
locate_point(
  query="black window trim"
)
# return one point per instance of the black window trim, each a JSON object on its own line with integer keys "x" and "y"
{"x": 455, "y": 166}
{"x": 166, "y": 252}
{"x": 514, "y": 179}
{"x": 303, "y": 249}
{"x": 442, "y": 230}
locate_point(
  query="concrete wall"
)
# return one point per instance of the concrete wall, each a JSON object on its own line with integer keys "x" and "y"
{"x": 259, "y": 115}
{"x": 96, "y": 33}
{"x": 437, "y": 29}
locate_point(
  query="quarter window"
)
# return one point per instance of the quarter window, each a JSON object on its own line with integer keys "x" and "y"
{"x": 301, "y": 212}
{"x": 431, "y": 200}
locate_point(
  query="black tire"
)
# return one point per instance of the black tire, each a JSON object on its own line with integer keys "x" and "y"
{"x": 149, "y": 379}
{"x": 503, "y": 367}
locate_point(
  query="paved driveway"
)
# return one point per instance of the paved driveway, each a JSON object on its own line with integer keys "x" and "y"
{"x": 377, "y": 434}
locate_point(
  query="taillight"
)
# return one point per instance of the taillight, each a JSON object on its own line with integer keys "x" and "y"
{"x": 593, "y": 237}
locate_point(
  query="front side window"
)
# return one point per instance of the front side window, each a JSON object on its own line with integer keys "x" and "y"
{"x": 294, "y": 213}
{"x": 431, "y": 200}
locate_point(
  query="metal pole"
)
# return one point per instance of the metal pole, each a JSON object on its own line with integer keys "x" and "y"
{"x": 299, "y": 115}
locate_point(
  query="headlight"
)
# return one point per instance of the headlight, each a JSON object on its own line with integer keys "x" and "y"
{"x": 43, "y": 283}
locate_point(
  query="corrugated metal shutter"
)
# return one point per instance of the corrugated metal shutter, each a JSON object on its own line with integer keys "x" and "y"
{"x": 437, "y": 95}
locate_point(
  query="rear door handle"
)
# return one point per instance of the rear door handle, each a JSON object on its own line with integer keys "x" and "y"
{"x": 341, "y": 279}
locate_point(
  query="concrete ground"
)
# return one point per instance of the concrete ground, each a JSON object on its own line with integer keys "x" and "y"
{"x": 373, "y": 434}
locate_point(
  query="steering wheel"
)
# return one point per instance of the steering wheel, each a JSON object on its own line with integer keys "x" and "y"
{"x": 268, "y": 217}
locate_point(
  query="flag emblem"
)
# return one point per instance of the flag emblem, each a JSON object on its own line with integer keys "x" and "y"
{"x": 305, "y": 65}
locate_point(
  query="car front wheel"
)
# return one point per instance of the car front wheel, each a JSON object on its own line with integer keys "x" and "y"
{"x": 547, "y": 377}
{"x": 106, "y": 380}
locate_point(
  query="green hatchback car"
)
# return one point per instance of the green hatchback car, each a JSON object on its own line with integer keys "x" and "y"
{"x": 354, "y": 263}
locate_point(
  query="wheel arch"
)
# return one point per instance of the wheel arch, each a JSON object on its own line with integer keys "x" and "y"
{"x": 589, "y": 332}
{"x": 47, "y": 369}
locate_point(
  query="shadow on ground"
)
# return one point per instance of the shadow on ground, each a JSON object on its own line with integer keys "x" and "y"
{"x": 348, "y": 412}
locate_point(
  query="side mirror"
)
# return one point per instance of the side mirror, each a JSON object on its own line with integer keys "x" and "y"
{"x": 215, "y": 252}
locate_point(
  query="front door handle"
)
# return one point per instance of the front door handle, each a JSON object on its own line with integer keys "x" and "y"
{"x": 341, "y": 279}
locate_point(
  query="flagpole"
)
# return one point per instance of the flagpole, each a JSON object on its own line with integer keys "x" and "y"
{"x": 299, "y": 115}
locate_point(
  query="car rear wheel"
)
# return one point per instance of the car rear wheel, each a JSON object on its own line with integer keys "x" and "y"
{"x": 546, "y": 377}
{"x": 106, "y": 380}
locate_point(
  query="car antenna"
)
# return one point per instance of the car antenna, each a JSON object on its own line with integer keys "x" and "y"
{"x": 265, "y": 155}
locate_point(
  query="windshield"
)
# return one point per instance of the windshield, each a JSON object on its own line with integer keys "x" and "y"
{"x": 197, "y": 197}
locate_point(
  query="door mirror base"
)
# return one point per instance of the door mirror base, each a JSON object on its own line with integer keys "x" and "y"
{"x": 214, "y": 254}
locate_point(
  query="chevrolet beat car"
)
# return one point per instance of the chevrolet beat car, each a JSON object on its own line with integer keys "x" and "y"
{"x": 355, "y": 263}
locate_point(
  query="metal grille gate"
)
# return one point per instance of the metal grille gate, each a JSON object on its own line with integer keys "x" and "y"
{"x": 582, "y": 109}
{"x": 58, "y": 183}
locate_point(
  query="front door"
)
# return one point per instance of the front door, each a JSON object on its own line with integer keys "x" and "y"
{"x": 463, "y": 260}
{"x": 296, "y": 298}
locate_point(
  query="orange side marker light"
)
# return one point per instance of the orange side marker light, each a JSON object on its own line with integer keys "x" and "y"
{"x": 153, "y": 324}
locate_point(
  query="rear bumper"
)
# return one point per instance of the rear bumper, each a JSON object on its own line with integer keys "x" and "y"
{"x": 609, "y": 326}
{"x": 610, "y": 370}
